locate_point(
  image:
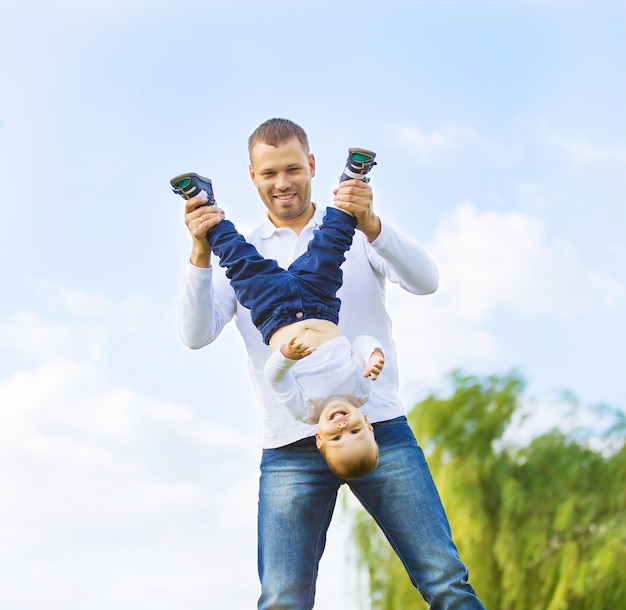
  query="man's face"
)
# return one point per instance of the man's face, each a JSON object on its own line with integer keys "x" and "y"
{"x": 282, "y": 175}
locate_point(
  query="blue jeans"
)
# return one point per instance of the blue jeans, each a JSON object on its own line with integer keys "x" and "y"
{"x": 296, "y": 500}
{"x": 276, "y": 296}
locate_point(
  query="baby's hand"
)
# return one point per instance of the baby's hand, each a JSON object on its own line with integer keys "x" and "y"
{"x": 296, "y": 350}
{"x": 374, "y": 365}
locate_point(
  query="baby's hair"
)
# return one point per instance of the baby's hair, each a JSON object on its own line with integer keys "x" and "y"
{"x": 354, "y": 470}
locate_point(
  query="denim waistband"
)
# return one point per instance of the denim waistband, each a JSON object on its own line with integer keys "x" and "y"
{"x": 309, "y": 441}
{"x": 289, "y": 314}
{"x": 391, "y": 422}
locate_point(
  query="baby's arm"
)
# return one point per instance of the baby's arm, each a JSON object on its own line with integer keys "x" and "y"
{"x": 296, "y": 350}
{"x": 370, "y": 352}
{"x": 375, "y": 364}
{"x": 283, "y": 383}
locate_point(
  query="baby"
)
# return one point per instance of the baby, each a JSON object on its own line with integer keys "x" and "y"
{"x": 313, "y": 370}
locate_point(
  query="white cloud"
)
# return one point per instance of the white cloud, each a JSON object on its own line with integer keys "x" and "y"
{"x": 564, "y": 413}
{"x": 27, "y": 334}
{"x": 114, "y": 499}
{"x": 80, "y": 303}
{"x": 491, "y": 261}
{"x": 106, "y": 481}
{"x": 88, "y": 305}
{"x": 67, "y": 403}
{"x": 89, "y": 322}
{"x": 450, "y": 137}
{"x": 580, "y": 152}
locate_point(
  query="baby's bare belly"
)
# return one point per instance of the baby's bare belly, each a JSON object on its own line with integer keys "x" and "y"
{"x": 310, "y": 332}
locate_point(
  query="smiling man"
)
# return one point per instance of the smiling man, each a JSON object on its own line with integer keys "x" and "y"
{"x": 298, "y": 489}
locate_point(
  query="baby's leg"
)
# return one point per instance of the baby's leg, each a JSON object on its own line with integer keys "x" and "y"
{"x": 260, "y": 284}
{"x": 320, "y": 266}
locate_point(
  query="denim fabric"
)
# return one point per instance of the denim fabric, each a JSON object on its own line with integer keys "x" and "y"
{"x": 276, "y": 296}
{"x": 296, "y": 501}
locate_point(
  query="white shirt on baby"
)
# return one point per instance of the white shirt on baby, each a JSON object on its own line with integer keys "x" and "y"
{"x": 333, "y": 370}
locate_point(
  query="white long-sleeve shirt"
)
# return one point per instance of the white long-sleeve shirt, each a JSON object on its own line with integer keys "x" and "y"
{"x": 333, "y": 370}
{"x": 207, "y": 303}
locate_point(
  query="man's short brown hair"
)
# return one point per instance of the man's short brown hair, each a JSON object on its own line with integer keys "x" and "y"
{"x": 275, "y": 132}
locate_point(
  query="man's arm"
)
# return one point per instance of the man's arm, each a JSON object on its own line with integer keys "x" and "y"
{"x": 400, "y": 259}
{"x": 356, "y": 196}
{"x": 206, "y": 303}
{"x": 203, "y": 308}
{"x": 199, "y": 218}
{"x": 403, "y": 261}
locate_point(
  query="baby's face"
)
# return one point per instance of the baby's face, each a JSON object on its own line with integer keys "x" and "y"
{"x": 344, "y": 432}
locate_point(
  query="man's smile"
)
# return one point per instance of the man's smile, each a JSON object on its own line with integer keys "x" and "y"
{"x": 285, "y": 197}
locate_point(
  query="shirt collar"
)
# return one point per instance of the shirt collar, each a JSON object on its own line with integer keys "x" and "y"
{"x": 268, "y": 228}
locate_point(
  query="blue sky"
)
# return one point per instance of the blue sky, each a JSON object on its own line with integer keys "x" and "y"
{"x": 128, "y": 463}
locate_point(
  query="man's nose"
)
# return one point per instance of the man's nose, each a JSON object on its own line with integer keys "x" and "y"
{"x": 282, "y": 182}
{"x": 342, "y": 424}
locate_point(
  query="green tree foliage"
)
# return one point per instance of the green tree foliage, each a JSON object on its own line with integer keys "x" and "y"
{"x": 541, "y": 526}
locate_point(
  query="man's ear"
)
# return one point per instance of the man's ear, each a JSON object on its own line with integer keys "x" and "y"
{"x": 312, "y": 164}
{"x": 318, "y": 441}
{"x": 251, "y": 172}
